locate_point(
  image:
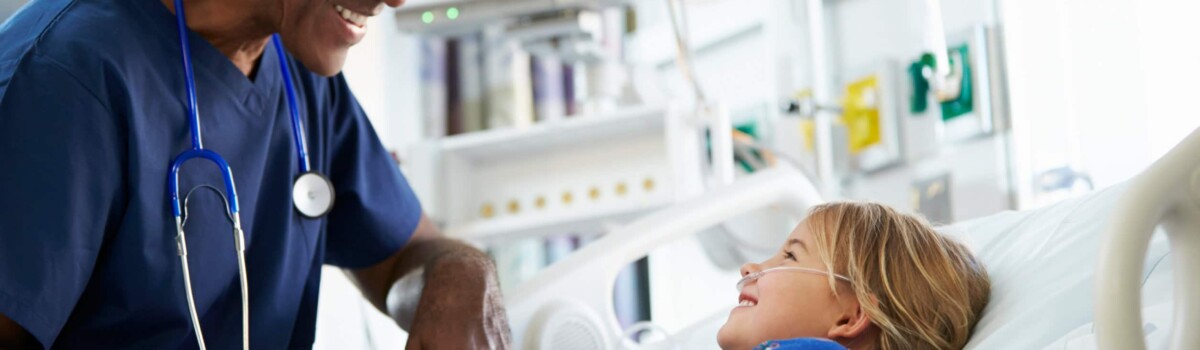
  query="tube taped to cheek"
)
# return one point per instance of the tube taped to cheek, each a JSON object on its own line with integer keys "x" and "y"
{"x": 403, "y": 297}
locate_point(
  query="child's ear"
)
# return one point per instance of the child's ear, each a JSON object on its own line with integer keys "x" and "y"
{"x": 851, "y": 325}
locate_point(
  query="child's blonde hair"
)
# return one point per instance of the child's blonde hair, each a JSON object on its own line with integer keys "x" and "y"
{"x": 921, "y": 289}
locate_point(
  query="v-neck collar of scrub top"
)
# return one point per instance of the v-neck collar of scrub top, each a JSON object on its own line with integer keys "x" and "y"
{"x": 207, "y": 60}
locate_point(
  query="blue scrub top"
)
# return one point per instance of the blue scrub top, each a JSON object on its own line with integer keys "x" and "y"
{"x": 92, "y": 112}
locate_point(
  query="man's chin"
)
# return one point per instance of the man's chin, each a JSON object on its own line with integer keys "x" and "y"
{"x": 329, "y": 72}
{"x": 327, "y": 66}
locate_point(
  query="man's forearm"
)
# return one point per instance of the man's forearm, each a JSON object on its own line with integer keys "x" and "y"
{"x": 453, "y": 272}
{"x": 457, "y": 305}
{"x": 439, "y": 254}
{"x": 441, "y": 258}
{"x": 447, "y": 263}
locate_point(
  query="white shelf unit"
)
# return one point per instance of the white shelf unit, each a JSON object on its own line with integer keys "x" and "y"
{"x": 569, "y": 176}
{"x": 579, "y": 130}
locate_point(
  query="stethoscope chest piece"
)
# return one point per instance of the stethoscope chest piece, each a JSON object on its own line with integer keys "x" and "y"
{"x": 312, "y": 194}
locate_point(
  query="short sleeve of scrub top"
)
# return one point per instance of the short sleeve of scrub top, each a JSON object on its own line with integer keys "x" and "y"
{"x": 91, "y": 115}
{"x": 367, "y": 223}
{"x": 57, "y": 194}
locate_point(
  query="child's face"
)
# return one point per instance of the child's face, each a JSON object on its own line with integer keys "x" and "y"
{"x": 785, "y": 304}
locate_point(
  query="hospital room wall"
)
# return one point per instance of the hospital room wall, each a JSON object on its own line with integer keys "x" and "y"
{"x": 1104, "y": 87}
{"x": 865, "y": 36}
{"x": 1099, "y": 86}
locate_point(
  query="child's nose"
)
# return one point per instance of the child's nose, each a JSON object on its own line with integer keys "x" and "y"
{"x": 749, "y": 268}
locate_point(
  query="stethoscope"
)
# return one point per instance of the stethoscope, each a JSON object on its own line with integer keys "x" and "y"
{"x": 312, "y": 193}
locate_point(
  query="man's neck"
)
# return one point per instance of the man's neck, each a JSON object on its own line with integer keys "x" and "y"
{"x": 240, "y": 29}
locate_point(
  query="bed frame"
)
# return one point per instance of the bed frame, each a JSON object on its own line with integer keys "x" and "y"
{"x": 1167, "y": 193}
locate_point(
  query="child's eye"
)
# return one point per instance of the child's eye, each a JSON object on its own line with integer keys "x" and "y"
{"x": 787, "y": 254}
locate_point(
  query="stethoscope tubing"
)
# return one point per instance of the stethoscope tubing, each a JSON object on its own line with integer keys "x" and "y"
{"x": 197, "y": 150}
{"x": 285, "y": 67}
{"x": 189, "y": 76}
{"x": 226, "y": 174}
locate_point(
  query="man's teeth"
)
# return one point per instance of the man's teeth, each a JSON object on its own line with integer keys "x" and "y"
{"x": 747, "y": 303}
{"x": 354, "y": 17}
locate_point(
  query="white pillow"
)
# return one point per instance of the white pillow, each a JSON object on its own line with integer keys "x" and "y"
{"x": 1042, "y": 264}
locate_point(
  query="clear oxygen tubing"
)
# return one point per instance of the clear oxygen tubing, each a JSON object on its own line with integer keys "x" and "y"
{"x": 756, "y": 275}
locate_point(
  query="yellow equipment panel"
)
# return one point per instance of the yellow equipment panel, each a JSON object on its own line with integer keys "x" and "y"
{"x": 860, "y": 114}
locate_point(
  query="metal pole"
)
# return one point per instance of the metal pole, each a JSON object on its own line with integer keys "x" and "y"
{"x": 822, "y": 93}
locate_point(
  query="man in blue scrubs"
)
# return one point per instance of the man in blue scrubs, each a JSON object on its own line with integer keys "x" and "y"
{"x": 92, "y": 111}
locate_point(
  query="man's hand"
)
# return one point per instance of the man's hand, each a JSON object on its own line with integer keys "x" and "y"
{"x": 460, "y": 307}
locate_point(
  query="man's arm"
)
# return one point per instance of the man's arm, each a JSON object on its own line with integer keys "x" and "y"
{"x": 62, "y": 185}
{"x": 13, "y": 336}
{"x": 460, "y": 306}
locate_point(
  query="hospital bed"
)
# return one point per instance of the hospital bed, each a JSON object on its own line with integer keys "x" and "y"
{"x": 1115, "y": 269}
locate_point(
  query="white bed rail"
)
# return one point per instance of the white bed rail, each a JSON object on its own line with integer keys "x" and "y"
{"x": 1168, "y": 192}
{"x": 585, "y": 279}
